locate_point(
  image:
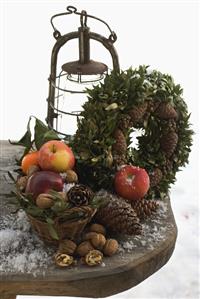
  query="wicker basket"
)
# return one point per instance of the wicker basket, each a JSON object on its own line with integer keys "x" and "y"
{"x": 70, "y": 229}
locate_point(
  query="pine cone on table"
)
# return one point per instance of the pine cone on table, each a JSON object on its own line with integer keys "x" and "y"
{"x": 144, "y": 208}
{"x": 120, "y": 217}
{"x": 80, "y": 195}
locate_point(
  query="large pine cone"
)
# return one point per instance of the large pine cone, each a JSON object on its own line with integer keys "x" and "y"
{"x": 120, "y": 217}
{"x": 169, "y": 142}
{"x": 120, "y": 146}
{"x": 137, "y": 112}
{"x": 80, "y": 195}
{"x": 166, "y": 111}
{"x": 155, "y": 177}
{"x": 144, "y": 208}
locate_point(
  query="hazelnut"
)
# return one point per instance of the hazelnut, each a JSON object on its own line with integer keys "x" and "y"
{"x": 98, "y": 241}
{"x": 89, "y": 236}
{"x": 44, "y": 201}
{"x": 93, "y": 258}
{"x": 63, "y": 260}
{"x": 67, "y": 246}
{"x": 71, "y": 176}
{"x": 98, "y": 228}
{"x": 84, "y": 248}
{"x": 110, "y": 247}
{"x": 21, "y": 183}
{"x": 32, "y": 169}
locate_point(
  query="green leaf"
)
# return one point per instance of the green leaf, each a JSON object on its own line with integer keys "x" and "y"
{"x": 43, "y": 134}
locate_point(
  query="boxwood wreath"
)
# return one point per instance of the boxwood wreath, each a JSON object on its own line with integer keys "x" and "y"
{"x": 131, "y": 100}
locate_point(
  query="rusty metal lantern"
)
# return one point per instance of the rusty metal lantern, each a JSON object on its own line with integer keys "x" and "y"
{"x": 74, "y": 76}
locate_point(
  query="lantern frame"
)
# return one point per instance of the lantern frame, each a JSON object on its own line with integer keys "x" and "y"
{"x": 81, "y": 67}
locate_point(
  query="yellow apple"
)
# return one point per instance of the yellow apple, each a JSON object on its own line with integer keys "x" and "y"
{"x": 56, "y": 156}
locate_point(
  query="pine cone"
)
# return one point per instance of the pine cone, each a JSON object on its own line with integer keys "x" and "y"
{"x": 120, "y": 146}
{"x": 124, "y": 122}
{"x": 144, "y": 208}
{"x": 166, "y": 111}
{"x": 120, "y": 217}
{"x": 169, "y": 142}
{"x": 167, "y": 167}
{"x": 119, "y": 160}
{"x": 172, "y": 125}
{"x": 155, "y": 177}
{"x": 137, "y": 112}
{"x": 80, "y": 195}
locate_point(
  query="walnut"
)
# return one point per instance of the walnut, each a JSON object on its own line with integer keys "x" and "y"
{"x": 84, "y": 248}
{"x": 44, "y": 201}
{"x": 22, "y": 182}
{"x": 98, "y": 241}
{"x": 98, "y": 228}
{"x": 110, "y": 247}
{"x": 32, "y": 169}
{"x": 89, "y": 236}
{"x": 93, "y": 258}
{"x": 63, "y": 260}
{"x": 71, "y": 176}
{"x": 67, "y": 246}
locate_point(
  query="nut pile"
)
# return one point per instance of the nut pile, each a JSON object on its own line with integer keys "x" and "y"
{"x": 91, "y": 250}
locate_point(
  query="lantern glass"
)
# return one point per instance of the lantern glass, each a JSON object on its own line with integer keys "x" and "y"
{"x": 70, "y": 96}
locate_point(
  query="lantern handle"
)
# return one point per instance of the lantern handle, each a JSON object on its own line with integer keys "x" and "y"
{"x": 83, "y": 16}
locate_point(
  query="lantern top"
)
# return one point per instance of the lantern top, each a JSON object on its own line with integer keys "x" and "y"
{"x": 90, "y": 68}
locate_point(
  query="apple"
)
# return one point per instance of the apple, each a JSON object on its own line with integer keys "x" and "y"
{"x": 55, "y": 155}
{"x": 43, "y": 181}
{"x": 131, "y": 182}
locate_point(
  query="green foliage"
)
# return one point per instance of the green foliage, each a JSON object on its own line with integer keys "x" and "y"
{"x": 42, "y": 134}
{"x": 106, "y": 103}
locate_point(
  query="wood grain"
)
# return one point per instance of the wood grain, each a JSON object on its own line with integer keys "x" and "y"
{"x": 119, "y": 274}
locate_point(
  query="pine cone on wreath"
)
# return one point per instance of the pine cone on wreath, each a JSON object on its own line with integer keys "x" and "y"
{"x": 120, "y": 145}
{"x": 119, "y": 160}
{"x": 155, "y": 177}
{"x": 167, "y": 167}
{"x": 80, "y": 195}
{"x": 124, "y": 122}
{"x": 166, "y": 111}
{"x": 120, "y": 217}
{"x": 137, "y": 112}
{"x": 169, "y": 142}
{"x": 144, "y": 208}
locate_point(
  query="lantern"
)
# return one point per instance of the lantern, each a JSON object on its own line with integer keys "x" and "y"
{"x": 67, "y": 85}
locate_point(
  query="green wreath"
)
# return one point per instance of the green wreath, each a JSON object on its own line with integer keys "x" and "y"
{"x": 128, "y": 101}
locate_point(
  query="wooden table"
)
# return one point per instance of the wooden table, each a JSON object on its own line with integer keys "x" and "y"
{"x": 121, "y": 272}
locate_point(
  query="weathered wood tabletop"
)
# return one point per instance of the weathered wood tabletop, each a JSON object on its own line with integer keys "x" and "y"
{"x": 119, "y": 273}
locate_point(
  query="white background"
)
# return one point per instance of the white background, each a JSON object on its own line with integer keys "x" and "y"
{"x": 162, "y": 34}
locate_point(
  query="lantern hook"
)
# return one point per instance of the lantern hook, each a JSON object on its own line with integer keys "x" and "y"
{"x": 83, "y": 18}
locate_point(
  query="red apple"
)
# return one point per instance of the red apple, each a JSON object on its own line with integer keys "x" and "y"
{"x": 43, "y": 181}
{"x": 56, "y": 156}
{"x": 131, "y": 182}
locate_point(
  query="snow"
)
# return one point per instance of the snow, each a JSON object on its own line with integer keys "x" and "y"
{"x": 20, "y": 248}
